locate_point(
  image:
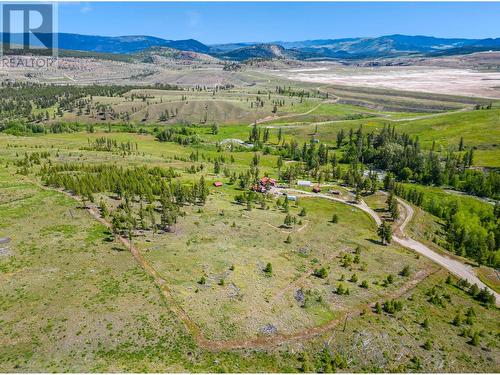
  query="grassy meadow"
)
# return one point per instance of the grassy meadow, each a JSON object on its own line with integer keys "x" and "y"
{"x": 75, "y": 300}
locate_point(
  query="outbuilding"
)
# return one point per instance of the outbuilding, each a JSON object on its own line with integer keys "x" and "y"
{"x": 217, "y": 184}
{"x": 303, "y": 183}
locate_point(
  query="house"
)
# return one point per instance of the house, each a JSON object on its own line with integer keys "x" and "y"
{"x": 265, "y": 180}
{"x": 316, "y": 189}
{"x": 217, "y": 184}
{"x": 264, "y": 184}
{"x": 303, "y": 183}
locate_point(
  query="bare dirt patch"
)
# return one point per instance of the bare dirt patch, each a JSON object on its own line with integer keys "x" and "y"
{"x": 415, "y": 78}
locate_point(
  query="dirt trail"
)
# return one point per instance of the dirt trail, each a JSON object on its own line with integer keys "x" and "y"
{"x": 385, "y": 117}
{"x": 260, "y": 342}
{"x": 454, "y": 266}
{"x": 421, "y": 117}
{"x": 291, "y": 115}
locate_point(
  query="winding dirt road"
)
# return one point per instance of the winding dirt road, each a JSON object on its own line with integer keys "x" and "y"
{"x": 290, "y": 115}
{"x": 259, "y": 342}
{"x": 453, "y": 266}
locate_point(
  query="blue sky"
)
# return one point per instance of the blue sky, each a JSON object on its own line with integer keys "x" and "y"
{"x": 239, "y": 22}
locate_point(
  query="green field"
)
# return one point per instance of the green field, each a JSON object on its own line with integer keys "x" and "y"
{"x": 238, "y": 281}
{"x": 115, "y": 319}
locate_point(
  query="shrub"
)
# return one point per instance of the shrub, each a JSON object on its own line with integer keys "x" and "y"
{"x": 405, "y": 272}
{"x": 393, "y": 306}
{"x": 475, "y": 340}
{"x": 484, "y": 296}
{"x": 463, "y": 283}
{"x": 364, "y": 284}
{"x": 470, "y": 312}
{"x": 268, "y": 270}
{"x": 425, "y": 323}
{"x": 427, "y": 345}
{"x": 388, "y": 280}
{"x": 341, "y": 289}
{"x": 346, "y": 260}
{"x": 416, "y": 363}
{"x": 321, "y": 273}
{"x": 474, "y": 290}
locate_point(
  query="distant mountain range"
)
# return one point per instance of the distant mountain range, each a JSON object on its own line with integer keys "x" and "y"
{"x": 117, "y": 44}
{"x": 347, "y": 48}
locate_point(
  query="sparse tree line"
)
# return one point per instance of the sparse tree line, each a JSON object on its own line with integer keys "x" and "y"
{"x": 395, "y": 153}
{"x": 111, "y": 145}
{"x": 183, "y": 136}
{"x": 301, "y": 93}
{"x": 401, "y": 155}
{"x": 21, "y": 99}
{"x": 17, "y": 127}
{"x": 475, "y": 235}
{"x": 155, "y": 190}
{"x": 386, "y": 150}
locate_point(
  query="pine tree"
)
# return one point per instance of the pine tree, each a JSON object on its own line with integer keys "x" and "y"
{"x": 216, "y": 167}
{"x": 103, "y": 208}
{"x": 385, "y": 232}
{"x": 268, "y": 270}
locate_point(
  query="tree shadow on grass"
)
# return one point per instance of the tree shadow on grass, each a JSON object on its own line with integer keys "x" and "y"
{"x": 376, "y": 242}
